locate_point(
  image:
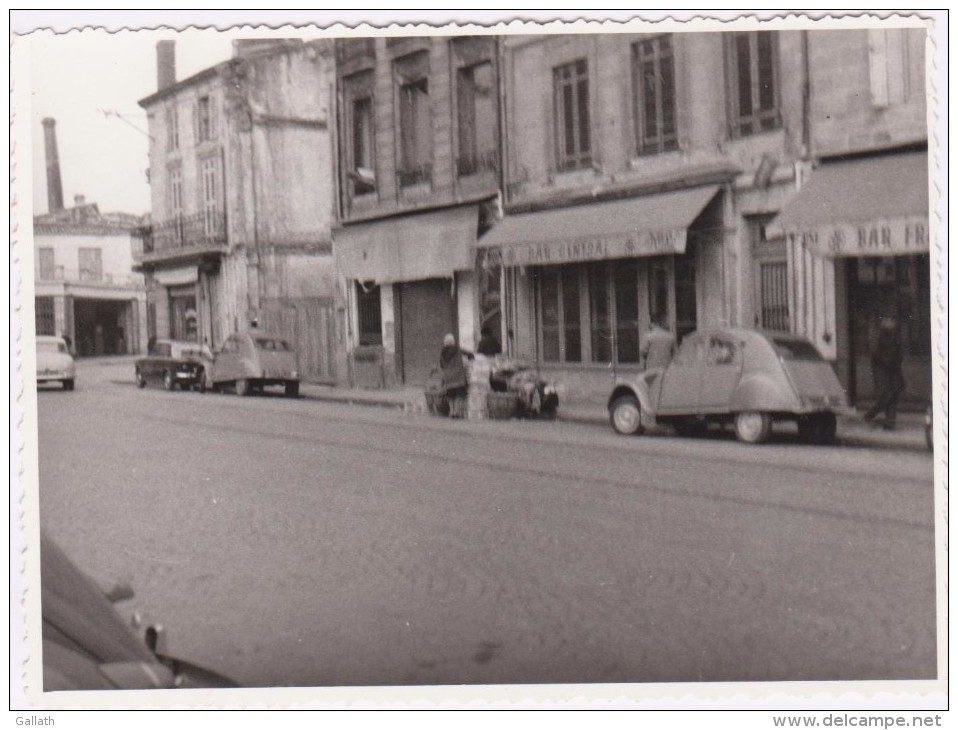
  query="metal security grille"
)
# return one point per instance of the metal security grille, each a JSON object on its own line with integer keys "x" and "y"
{"x": 46, "y": 321}
{"x": 774, "y": 290}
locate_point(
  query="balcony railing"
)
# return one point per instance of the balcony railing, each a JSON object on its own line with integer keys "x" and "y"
{"x": 87, "y": 276}
{"x": 201, "y": 230}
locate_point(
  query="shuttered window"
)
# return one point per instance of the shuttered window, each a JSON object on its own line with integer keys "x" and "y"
{"x": 573, "y": 133}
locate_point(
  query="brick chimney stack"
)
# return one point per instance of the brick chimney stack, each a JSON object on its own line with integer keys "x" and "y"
{"x": 54, "y": 183}
{"x": 165, "y": 64}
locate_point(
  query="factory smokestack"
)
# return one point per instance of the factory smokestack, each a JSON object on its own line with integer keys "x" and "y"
{"x": 54, "y": 184}
{"x": 165, "y": 64}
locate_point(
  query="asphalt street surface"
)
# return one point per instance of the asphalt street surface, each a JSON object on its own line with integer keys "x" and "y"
{"x": 296, "y": 542}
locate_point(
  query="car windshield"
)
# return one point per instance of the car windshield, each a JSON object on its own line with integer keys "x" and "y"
{"x": 271, "y": 344}
{"x": 796, "y": 350}
{"x": 51, "y": 347}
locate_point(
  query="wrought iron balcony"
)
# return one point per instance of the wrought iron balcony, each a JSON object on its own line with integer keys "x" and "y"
{"x": 183, "y": 236}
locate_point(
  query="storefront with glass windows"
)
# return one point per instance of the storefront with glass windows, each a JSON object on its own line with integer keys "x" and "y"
{"x": 865, "y": 218}
{"x": 582, "y": 283}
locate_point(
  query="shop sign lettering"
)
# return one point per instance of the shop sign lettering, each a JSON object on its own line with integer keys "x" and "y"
{"x": 649, "y": 243}
{"x": 879, "y": 238}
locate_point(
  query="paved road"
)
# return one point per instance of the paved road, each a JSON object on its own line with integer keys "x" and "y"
{"x": 293, "y": 542}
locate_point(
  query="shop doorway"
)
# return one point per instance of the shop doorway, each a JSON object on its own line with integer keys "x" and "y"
{"x": 427, "y": 312}
{"x": 898, "y": 286}
{"x": 102, "y": 327}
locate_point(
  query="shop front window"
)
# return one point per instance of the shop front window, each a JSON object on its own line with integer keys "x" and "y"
{"x": 603, "y": 297}
{"x": 370, "y": 314}
{"x": 184, "y": 320}
{"x": 686, "y": 312}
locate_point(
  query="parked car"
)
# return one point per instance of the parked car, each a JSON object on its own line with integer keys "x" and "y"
{"x": 171, "y": 363}
{"x": 249, "y": 361}
{"x": 87, "y": 645}
{"x": 54, "y": 362}
{"x": 732, "y": 375}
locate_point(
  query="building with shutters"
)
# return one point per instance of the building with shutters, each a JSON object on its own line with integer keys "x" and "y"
{"x": 241, "y": 179}
{"x": 856, "y": 234}
{"x": 644, "y": 177}
{"x": 639, "y": 171}
{"x": 418, "y": 182}
{"x": 85, "y": 287}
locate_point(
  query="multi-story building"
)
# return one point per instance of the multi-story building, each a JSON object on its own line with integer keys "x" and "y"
{"x": 418, "y": 181}
{"x": 857, "y": 231}
{"x": 638, "y": 170}
{"x": 85, "y": 287}
{"x": 642, "y": 175}
{"x": 241, "y": 178}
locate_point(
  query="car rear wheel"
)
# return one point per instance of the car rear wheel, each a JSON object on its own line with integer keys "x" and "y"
{"x": 292, "y": 389}
{"x": 68, "y": 384}
{"x": 752, "y": 427}
{"x": 625, "y": 415}
{"x": 168, "y": 383}
{"x": 140, "y": 380}
{"x": 242, "y": 387}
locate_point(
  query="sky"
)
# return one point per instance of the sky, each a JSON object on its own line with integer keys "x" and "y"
{"x": 81, "y": 79}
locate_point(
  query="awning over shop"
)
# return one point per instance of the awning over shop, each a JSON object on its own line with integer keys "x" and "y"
{"x": 408, "y": 248}
{"x": 875, "y": 206}
{"x": 647, "y": 226}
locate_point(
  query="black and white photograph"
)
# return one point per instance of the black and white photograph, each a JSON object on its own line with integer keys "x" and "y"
{"x": 530, "y": 360}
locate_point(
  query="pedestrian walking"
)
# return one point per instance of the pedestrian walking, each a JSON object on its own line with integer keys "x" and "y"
{"x": 657, "y": 347}
{"x": 455, "y": 383}
{"x": 886, "y": 362}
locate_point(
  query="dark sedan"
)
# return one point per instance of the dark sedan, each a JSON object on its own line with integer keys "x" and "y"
{"x": 171, "y": 364}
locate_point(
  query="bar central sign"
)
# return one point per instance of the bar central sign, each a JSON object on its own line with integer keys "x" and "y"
{"x": 594, "y": 248}
{"x": 879, "y": 238}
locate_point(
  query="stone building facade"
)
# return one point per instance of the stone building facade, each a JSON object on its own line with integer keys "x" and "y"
{"x": 241, "y": 178}
{"x": 418, "y": 180}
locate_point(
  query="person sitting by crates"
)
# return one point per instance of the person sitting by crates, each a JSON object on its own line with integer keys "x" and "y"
{"x": 455, "y": 382}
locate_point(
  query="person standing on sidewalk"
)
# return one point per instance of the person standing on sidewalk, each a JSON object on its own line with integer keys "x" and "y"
{"x": 886, "y": 362}
{"x": 455, "y": 383}
{"x": 657, "y": 347}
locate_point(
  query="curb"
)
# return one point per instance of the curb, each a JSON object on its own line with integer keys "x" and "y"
{"x": 853, "y": 440}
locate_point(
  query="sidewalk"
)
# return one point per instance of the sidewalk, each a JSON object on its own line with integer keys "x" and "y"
{"x": 909, "y": 435}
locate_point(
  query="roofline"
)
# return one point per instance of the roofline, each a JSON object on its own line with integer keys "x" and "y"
{"x": 172, "y": 89}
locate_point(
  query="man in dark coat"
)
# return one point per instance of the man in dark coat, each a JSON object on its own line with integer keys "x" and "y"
{"x": 886, "y": 369}
{"x": 455, "y": 382}
{"x": 488, "y": 344}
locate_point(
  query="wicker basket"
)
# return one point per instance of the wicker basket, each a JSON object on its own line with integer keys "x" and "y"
{"x": 502, "y": 406}
{"x": 437, "y": 403}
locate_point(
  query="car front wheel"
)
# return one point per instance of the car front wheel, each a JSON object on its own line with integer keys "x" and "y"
{"x": 140, "y": 380}
{"x": 752, "y": 427}
{"x": 168, "y": 383}
{"x": 625, "y": 415}
{"x": 242, "y": 387}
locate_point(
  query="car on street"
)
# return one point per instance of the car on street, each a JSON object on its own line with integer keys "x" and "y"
{"x": 747, "y": 378}
{"x": 87, "y": 645}
{"x": 250, "y": 361}
{"x": 54, "y": 362}
{"x": 171, "y": 363}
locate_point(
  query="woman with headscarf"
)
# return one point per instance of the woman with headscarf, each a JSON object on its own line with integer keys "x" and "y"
{"x": 455, "y": 382}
